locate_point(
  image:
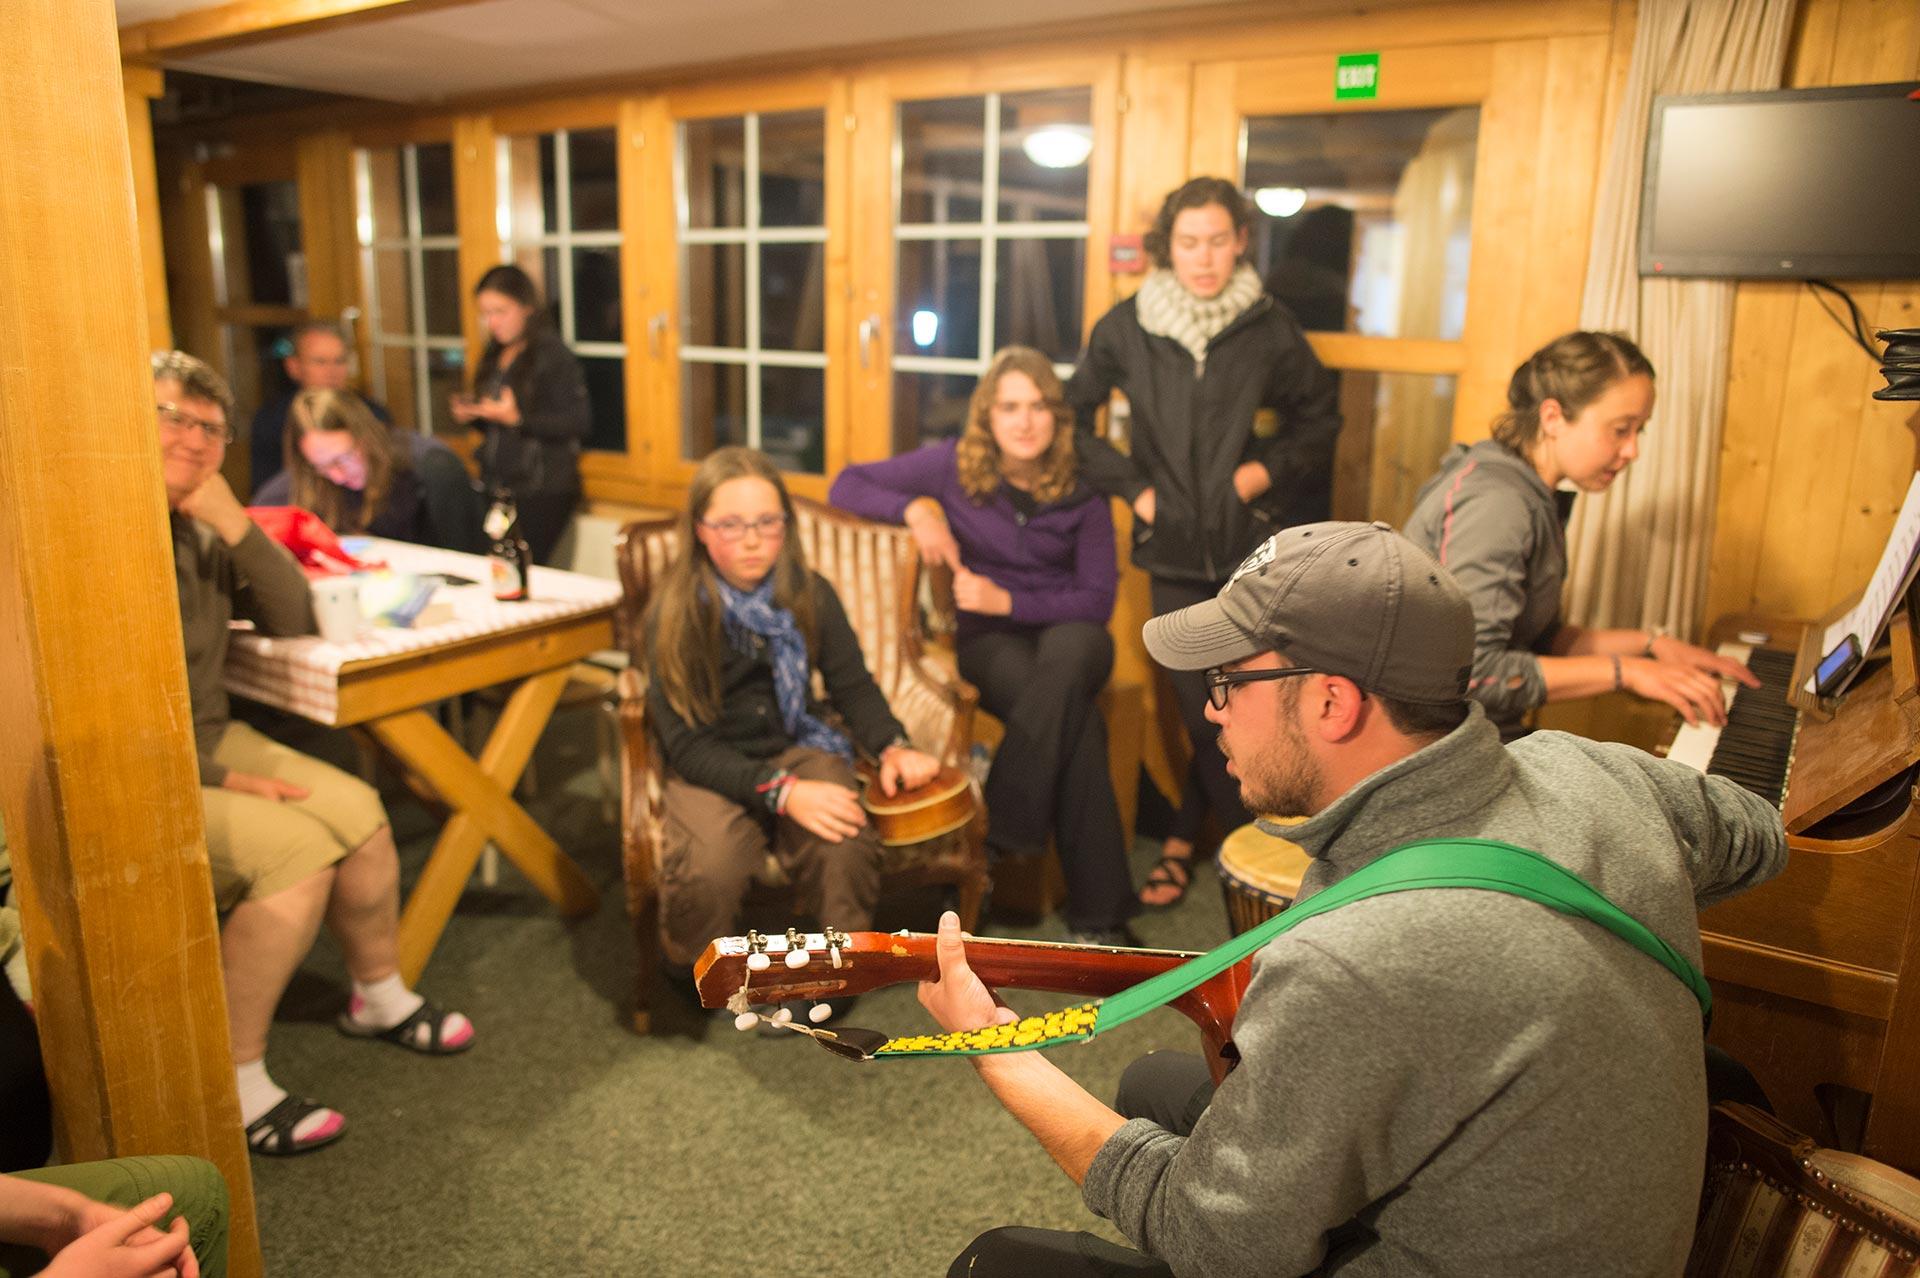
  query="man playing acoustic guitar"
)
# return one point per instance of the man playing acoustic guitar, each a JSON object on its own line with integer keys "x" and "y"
{"x": 1447, "y": 1080}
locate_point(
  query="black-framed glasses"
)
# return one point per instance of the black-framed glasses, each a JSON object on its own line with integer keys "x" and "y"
{"x": 732, "y": 529}
{"x": 173, "y": 417}
{"x": 1220, "y": 682}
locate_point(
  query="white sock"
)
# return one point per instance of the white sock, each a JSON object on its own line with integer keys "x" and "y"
{"x": 384, "y": 1003}
{"x": 259, "y": 1094}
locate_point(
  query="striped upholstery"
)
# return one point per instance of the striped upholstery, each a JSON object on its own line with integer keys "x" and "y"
{"x": 1774, "y": 1203}
{"x": 875, "y": 570}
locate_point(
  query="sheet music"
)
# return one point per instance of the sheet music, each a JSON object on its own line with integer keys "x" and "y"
{"x": 1890, "y": 581}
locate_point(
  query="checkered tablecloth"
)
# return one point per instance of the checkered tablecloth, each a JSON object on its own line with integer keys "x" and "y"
{"x": 303, "y": 675}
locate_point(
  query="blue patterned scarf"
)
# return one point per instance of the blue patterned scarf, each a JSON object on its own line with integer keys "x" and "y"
{"x": 753, "y": 613}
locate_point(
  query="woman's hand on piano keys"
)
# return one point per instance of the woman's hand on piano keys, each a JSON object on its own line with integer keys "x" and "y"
{"x": 1674, "y": 652}
{"x": 959, "y": 1000}
{"x": 1694, "y": 693}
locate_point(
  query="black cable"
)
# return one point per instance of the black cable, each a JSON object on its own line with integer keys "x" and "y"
{"x": 1857, "y": 330}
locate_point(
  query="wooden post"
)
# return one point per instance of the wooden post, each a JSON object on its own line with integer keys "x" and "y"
{"x": 97, "y": 773}
{"x": 142, "y": 86}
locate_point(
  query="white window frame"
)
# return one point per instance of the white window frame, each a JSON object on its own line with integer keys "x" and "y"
{"x": 417, "y": 342}
{"x": 753, "y": 236}
{"x": 563, "y": 237}
{"x": 989, "y": 232}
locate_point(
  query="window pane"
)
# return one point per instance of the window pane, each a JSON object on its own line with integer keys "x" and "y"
{"x": 549, "y": 184}
{"x": 1364, "y": 221}
{"x": 542, "y": 265}
{"x": 1394, "y": 429}
{"x": 393, "y": 292}
{"x": 270, "y": 215}
{"x": 938, "y": 292}
{"x": 792, "y": 297}
{"x": 793, "y": 427}
{"x": 793, "y": 168}
{"x": 596, "y": 295}
{"x": 713, "y": 161}
{"x": 928, "y": 406}
{"x": 942, "y": 160}
{"x": 387, "y": 194}
{"x": 713, "y": 407}
{"x": 395, "y": 385}
{"x": 435, "y": 166}
{"x": 1038, "y": 296}
{"x": 593, "y": 156}
{"x": 1045, "y": 139}
{"x": 446, "y": 373}
{"x": 607, "y": 390}
{"x": 440, "y": 269}
{"x": 713, "y": 295}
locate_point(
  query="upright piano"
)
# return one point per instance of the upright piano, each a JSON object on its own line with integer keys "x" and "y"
{"x": 1816, "y": 974}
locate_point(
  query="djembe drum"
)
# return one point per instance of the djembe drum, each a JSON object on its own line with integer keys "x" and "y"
{"x": 1259, "y": 875}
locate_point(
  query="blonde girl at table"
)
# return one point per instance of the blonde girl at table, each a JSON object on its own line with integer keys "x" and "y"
{"x": 1031, "y": 549}
{"x": 291, "y": 842}
{"x": 359, "y": 475}
{"x": 736, "y": 633}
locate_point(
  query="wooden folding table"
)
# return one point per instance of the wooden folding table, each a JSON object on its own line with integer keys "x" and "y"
{"x": 386, "y": 679}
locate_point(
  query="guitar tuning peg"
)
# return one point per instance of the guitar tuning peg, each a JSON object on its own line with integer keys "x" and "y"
{"x": 818, "y": 1013}
{"x": 746, "y": 1021}
{"x": 783, "y": 1016}
{"x": 798, "y": 958}
{"x": 758, "y": 961}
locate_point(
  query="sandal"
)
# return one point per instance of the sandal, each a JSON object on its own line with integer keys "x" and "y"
{"x": 272, "y": 1132}
{"x": 1169, "y": 871}
{"x": 405, "y": 1034}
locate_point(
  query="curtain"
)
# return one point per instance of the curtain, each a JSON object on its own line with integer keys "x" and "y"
{"x": 1637, "y": 554}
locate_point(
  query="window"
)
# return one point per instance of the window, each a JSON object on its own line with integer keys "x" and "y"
{"x": 559, "y": 218}
{"x": 750, "y": 197}
{"x": 1363, "y": 218}
{"x": 991, "y": 229}
{"x": 410, "y": 261}
{"x": 259, "y": 282}
{"x": 1394, "y": 429}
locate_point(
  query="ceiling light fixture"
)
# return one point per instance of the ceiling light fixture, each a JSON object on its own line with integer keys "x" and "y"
{"x": 1280, "y": 201}
{"x": 1059, "y": 146}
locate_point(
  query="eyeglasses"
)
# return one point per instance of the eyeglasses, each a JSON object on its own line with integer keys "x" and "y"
{"x": 175, "y": 419}
{"x": 1221, "y": 682}
{"x": 768, "y": 526}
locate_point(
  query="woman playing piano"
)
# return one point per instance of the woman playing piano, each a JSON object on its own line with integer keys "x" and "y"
{"x": 1493, "y": 517}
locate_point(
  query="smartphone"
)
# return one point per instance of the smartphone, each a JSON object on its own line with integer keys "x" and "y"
{"x": 452, "y": 579}
{"x": 1837, "y": 666}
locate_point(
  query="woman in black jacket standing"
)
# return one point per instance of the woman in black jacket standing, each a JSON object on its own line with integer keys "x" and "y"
{"x": 530, "y": 400}
{"x": 1232, "y": 427}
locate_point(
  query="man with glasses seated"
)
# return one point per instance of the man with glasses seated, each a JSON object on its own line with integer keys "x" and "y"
{"x": 291, "y": 841}
{"x": 1438, "y": 1080}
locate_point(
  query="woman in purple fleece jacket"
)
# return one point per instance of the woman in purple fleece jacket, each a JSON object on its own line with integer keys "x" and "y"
{"x": 1034, "y": 571}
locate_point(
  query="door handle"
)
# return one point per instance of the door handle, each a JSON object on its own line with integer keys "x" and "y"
{"x": 656, "y": 334}
{"x": 869, "y": 331}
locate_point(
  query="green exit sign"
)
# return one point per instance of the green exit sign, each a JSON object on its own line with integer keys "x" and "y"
{"x": 1356, "y": 75}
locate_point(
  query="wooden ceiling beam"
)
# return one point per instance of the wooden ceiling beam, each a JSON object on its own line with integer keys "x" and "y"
{"x": 225, "y": 26}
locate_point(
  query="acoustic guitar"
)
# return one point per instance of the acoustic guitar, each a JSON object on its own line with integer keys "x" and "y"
{"x": 939, "y": 807}
{"x": 735, "y": 971}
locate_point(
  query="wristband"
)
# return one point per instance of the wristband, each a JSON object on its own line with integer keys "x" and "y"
{"x": 775, "y": 790}
{"x": 1619, "y": 678}
{"x": 1653, "y": 636}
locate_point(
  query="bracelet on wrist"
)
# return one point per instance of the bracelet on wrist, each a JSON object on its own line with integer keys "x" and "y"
{"x": 1619, "y": 675}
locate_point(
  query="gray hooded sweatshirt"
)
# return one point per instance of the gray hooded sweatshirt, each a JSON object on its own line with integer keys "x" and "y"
{"x": 1494, "y": 524}
{"x": 1462, "y": 1082}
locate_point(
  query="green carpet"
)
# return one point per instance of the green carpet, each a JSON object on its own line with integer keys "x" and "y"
{"x": 564, "y": 1144}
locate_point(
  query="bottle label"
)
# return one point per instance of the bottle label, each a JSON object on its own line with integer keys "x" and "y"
{"x": 507, "y": 582}
{"x": 499, "y": 519}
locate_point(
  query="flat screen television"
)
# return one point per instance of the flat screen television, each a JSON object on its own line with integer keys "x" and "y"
{"x": 1791, "y": 184}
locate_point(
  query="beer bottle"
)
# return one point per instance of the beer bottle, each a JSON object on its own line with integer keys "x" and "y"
{"x": 508, "y": 555}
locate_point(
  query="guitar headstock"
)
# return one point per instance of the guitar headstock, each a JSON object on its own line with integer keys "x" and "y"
{"x": 781, "y": 968}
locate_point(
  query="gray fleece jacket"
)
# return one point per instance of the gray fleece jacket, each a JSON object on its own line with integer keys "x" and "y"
{"x": 1494, "y": 524}
{"x": 1462, "y": 1082}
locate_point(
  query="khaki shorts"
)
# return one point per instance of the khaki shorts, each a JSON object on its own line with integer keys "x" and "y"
{"x": 259, "y": 847}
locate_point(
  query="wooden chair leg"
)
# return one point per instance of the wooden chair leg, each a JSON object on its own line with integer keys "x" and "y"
{"x": 646, "y": 945}
{"x": 973, "y": 892}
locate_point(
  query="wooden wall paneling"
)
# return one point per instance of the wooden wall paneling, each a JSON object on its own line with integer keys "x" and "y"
{"x": 838, "y": 337}
{"x": 1884, "y": 455}
{"x": 476, "y": 190}
{"x": 1756, "y": 402}
{"x": 1410, "y": 77}
{"x": 870, "y": 275}
{"x": 591, "y": 111}
{"x": 97, "y": 775}
{"x": 1214, "y": 148}
{"x": 1348, "y": 28}
{"x": 1154, "y": 131}
{"x": 637, "y": 138}
{"x": 660, "y": 278}
{"x": 324, "y": 168}
{"x": 183, "y": 230}
{"x": 140, "y": 86}
{"x": 1504, "y": 207}
{"x": 1565, "y": 179}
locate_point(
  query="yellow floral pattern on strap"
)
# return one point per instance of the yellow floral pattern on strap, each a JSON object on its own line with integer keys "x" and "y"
{"x": 1066, "y": 1025}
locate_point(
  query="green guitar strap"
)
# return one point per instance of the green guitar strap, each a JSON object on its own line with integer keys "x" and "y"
{"x": 1485, "y": 864}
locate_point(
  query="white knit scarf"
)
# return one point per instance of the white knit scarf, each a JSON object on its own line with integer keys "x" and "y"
{"x": 1166, "y": 309}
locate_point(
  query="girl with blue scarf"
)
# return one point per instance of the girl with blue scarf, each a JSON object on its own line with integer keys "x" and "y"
{"x": 736, "y": 633}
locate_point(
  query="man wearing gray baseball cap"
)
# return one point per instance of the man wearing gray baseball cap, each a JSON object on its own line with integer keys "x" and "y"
{"x": 1449, "y": 1079}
